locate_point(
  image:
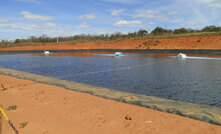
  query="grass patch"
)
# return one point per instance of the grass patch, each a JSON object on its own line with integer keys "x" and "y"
{"x": 157, "y": 42}
{"x": 199, "y": 40}
{"x": 145, "y": 43}
{"x": 23, "y": 124}
{"x": 12, "y": 107}
{"x": 149, "y": 43}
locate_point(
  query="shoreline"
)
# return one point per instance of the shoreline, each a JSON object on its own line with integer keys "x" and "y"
{"x": 191, "y": 110}
{"x": 51, "y": 109}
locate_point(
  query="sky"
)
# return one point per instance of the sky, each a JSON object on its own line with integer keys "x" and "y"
{"x": 25, "y": 18}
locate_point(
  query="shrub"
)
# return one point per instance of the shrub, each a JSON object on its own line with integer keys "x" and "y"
{"x": 179, "y": 31}
{"x": 145, "y": 43}
{"x": 200, "y": 38}
{"x": 211, "y": 29}
{"x": 13, "y": 107}
{"x": 160, "y": 31}
{"x": 157, "y": 41}
{"x": 23, "y": 124}
{"x": 142, "y": 32}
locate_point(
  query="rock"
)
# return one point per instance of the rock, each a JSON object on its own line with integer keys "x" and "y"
{"x": 128, "y": 117}
{"x": 148, "y": 122}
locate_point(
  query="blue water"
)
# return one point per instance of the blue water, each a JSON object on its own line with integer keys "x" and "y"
{"x": 196, "y": 80}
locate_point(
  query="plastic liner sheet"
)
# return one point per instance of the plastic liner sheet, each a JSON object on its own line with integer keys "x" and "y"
{"x": 195, "y": 111}
{"x": 192, "y": 51}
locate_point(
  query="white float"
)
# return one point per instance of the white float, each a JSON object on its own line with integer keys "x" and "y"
{"x": 46, "y": 52}
{"x": 118, "y": 54}
{"x": 181, "y": 55}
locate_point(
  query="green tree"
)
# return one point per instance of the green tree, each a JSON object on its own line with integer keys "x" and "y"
{"x": 179, "y": 31}
{"x": 160, "y": 31}
{"x": 142, "y": 32}
{"x": 211, "y": 29}
{"x": 17, "y": 41}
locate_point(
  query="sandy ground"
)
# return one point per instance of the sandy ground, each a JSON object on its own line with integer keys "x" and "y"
{"x": 55, "y": 110}
{"x": 194, "y": 42}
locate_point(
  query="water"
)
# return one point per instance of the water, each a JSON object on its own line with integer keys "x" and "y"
{"x": 195, "y": 79}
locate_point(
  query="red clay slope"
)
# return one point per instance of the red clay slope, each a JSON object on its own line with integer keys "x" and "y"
{"x": 194, "y": 42}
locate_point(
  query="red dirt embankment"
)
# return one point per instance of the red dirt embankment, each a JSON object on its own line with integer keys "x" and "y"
{"x": 54, "y": 110}
{"x": 194, "y": 42}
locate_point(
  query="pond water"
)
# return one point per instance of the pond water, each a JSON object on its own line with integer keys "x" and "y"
{"x": 195, "y": 79}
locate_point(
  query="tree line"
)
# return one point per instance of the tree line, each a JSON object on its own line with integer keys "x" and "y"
{"x": 161, "y": 31}
{"x": 158, "y": 31}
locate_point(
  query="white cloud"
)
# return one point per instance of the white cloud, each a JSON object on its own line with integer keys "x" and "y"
{"x": 195, "y": 10}
{"x": 151, "y": 23}
{"x": 68, "y": 27}
{"x": 212, "y": 3}
{"x": 29, "y": 1}
{"x": 4, "y": 21}
{"x": 89, "y": 28}
{"x": 50, "y": 29}
{"x": 133, "y": 23}
{"x": 20, "y": 19}
{"x": 117, "y": 12}
{"x": 19, "y": 30}
{"x": 191, "y": 24}
{"x": 150, "y": 14}
{"x": 172, "y": 12}
{"x": 88, "y": 16}
{"x": 84, "y": 26}
{"x": 200, "y": 16}
{"x": 48, "y": 26}
{"x": 30, "y": 27}
{"x": 34, "y": 17}
{"x": 216, "y": 3}
{"x": 144, "y": 13}
{"x": 126, "y": 1}
{"x": 162, "y": 18}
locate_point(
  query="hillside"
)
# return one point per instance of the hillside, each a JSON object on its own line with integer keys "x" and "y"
{"x": 193, "y": 42}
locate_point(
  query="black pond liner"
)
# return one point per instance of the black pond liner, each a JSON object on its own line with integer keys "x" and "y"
{"x": 187, "y": 51}
{"x": 195, "y": 111}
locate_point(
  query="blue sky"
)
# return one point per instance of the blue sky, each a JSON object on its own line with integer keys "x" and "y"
{"x": 25, "y": 18}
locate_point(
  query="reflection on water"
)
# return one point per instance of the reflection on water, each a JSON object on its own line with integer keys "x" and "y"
{"x": 162, "y": 75}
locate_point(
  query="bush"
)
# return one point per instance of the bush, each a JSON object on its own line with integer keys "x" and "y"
{"x": 160, "y": 31}
{"x": 142, "y": 32}
{"x": 23, "y": 124}
{"x": 13, "y": 107}
{"x": 179, "y": 31}
{"x": 211, "y": 29}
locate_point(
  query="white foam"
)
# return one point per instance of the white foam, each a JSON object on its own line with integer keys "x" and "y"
{"x": 118, "y": 54}
{"x": 203, "y": 58}
{"x": 182, "y": 56}
{"x": 46, "y": 52}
